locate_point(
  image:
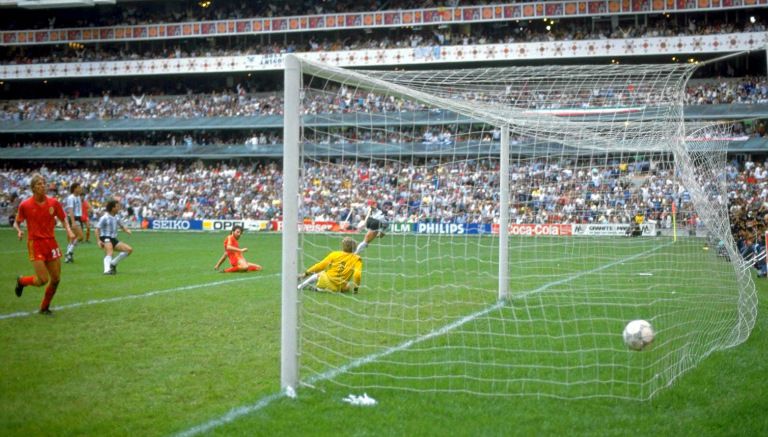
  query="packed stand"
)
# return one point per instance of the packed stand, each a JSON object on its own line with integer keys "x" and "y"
{"x": 185, "y": 11}
{"x": 239, "y": 102}
{"x": 567, "y": 29}
{"x": 748, "y": 210}
{"x": 428, "y": 190}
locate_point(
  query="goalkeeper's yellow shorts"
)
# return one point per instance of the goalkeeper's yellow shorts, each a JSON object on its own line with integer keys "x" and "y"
{"x": 325, "y": 283}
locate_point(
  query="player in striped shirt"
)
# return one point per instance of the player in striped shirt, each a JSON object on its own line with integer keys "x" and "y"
{"x": 106, "y": 235}
{"x": 74, "y": 209}
{"x": 375, "y": 223}
{"x": 40, "y": 212}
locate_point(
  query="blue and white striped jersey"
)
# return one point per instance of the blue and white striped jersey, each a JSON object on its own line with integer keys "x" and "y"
{"x": 75, "y": 204}
{"x": 108, "y": 225}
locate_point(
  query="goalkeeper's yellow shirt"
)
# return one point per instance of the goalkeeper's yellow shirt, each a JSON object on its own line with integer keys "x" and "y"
{"x": 340, "y": 267}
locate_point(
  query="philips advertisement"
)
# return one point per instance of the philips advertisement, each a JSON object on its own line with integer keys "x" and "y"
{"x": 451, "y": 228}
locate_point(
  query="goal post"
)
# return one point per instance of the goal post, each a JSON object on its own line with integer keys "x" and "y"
{"x": 530, "y": 218}
{"x": 504, "y": 214}
{"x": 289, "y": 371}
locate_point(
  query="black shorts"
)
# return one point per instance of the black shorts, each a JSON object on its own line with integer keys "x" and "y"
{"x": 114, "y": 241}
{"x": 373, "y": 224}
{"x": 77, "y": 219}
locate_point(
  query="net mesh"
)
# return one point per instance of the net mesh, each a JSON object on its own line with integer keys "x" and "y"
{"x": 598, "y": 156}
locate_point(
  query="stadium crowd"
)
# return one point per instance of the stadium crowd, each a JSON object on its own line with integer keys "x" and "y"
{"x": 407, "y": 191}
{"x": 748, "y": 211}
{"x": 429, "y": 138}
{"x": 184, "y": 11}
{"x": 187, "y": 140}
{"x": 238, "y": 102}
{"x": 567, "y": 29}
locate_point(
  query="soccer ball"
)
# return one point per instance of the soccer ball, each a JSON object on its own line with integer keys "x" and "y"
{"x": 638, "y": 334}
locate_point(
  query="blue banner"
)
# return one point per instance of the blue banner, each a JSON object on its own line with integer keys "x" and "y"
{"x": 175, "y": 225}
{"x": 452, "y": 228}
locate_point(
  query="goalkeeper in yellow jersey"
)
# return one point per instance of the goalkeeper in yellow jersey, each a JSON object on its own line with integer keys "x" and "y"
{"x": 340, "y": 271}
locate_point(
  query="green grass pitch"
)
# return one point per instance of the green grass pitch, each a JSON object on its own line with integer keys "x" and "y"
{"x": 169, "y": 346}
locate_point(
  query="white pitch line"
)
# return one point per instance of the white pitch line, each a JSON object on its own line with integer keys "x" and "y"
{"x": 238, "y": 412}
{"x": 134, "y": 296}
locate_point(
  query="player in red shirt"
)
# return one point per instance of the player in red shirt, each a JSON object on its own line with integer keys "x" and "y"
{"x": 40, "y": 212}
{"x": 86, "y": 219}
{"x": 235, "y": 253}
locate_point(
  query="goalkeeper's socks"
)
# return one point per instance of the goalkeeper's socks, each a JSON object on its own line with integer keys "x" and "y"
{"x": 309, "y": 280}
{"x": 361, "y": 247}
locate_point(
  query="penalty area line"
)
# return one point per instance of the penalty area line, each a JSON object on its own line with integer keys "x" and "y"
{"x": 133, "y": 296}
{"x": 238, "y": 412}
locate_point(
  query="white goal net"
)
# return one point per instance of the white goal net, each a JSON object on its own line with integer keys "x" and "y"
{"x": 532, "y": 212}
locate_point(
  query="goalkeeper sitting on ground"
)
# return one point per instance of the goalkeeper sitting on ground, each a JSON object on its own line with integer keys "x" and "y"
{"x": 340, "y": 271}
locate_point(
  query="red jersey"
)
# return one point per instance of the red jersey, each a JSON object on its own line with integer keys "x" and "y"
{"x": 234, "y": 255}
{"x": 86, "y": 208}
{"x": 231, "y": 241}
{"x": 41, "y": 218}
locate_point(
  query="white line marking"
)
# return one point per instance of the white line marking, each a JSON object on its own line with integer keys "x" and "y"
{"x": 236, "y": 413}
{"x": 135, "y": 296}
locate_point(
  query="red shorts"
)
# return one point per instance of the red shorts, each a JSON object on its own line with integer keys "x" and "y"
{"x": 235, "y": 259}
{"x": 43, "y": 250}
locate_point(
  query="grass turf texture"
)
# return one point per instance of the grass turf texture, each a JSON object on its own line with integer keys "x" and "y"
{"x": 169, "y": 344}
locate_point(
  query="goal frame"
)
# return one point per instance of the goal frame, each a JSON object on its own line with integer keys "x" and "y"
{"x": 615, "y": 136}
{"x": 289, "y": 341}
{"x": 289, "y": 332}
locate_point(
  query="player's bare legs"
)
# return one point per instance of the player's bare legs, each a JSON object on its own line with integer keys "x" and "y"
{"x": 108, "y": 250}
{"x": 46, "y": 272}
{"x": 369, "y": 236}
{"x": 78, "y": 237}
{"x": 53, "y": 268}
{"x": 124, "y": 250}
{"x": 243, "y": 266}
{"x": 41, "y": 272}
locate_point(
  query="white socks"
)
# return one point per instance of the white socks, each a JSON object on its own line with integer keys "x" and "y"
{"x": 312, "y": 279}
{"x": 107, "y": 261}
{"x": 361, "y": 247}
{"x": 119, "y": 258}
